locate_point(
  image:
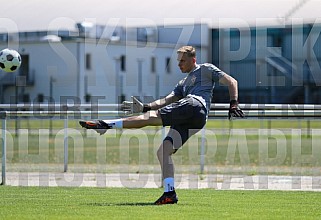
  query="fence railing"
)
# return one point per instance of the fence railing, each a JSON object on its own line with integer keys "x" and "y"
{"x": 218, "y": 111}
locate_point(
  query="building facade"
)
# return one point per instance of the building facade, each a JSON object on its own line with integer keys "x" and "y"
{"x": 105, "y": 64}
{"x": 272, "y": 64}
{"x": 98, "y": 64}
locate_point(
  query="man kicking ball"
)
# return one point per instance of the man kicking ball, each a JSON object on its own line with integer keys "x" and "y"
{"x": 185, "y": 110}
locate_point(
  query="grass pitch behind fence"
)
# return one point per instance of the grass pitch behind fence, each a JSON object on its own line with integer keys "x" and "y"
{"x": 279, "y": 148}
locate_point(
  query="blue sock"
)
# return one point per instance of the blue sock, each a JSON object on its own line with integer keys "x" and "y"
{"x": 169, "y": 184}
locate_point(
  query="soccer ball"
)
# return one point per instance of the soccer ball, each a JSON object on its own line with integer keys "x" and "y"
{"x": 10, "y": 60}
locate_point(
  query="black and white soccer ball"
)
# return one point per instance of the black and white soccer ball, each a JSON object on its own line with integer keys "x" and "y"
{"x": 10, "y": 60}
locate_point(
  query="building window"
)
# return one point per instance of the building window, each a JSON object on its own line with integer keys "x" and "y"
{"x": 123, "y": 63}
{"x": 24, "y": 68}
{"x": 277, "y": 40}
{"x": 168, "y": 65}
{"x": 153, "y": 64}
{"x": 88, "y": 61}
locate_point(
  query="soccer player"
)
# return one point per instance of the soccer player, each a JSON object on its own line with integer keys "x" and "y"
{"x": 185, "y": 110}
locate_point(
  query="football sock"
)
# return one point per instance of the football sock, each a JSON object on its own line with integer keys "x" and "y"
{"x": 169, "y": 184}
{"x": 116, "y": 123}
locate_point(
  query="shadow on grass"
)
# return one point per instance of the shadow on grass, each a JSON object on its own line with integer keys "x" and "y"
{"x": 120, "y": 204}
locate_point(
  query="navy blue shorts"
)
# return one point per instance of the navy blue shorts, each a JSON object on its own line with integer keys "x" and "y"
{"x": 185, "y": 117}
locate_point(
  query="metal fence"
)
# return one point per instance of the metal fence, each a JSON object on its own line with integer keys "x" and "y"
{"x": 64, "y": 112}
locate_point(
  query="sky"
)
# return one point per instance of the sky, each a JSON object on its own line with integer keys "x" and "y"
{"x": 34, "y": 15}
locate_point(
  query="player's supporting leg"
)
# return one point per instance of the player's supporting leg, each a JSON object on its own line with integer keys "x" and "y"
{"x": 164, "y": 155}
{"x": 176, "y": 137}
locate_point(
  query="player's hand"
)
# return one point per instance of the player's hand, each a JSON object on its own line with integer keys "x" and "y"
{"x": 235, "y": 111}
{"x": 134, "y": 106}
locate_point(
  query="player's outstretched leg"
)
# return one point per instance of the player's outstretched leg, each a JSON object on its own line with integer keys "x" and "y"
{"x": 139, "y": 121}
{"x": 99, "y": 126}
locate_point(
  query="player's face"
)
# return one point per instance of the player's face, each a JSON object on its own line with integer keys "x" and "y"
{"x": 185, "y": 63}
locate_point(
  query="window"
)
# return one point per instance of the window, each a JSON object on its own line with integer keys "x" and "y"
{"x": 88, "y": 61}
{"x": 168, "y": 65}
{"x": 24, "y": 68}
{"x": 153, "y": 64}
{"x": 123, "y": 63}
{"x": 277, "y": 41}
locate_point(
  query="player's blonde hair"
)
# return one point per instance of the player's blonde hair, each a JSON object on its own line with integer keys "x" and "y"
{"x": 189, "y": 50}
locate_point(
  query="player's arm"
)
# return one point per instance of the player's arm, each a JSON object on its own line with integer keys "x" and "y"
{"x": 161, "y": 102}
{"x": 231, "y": 83}
{"x": 136, "y": 106}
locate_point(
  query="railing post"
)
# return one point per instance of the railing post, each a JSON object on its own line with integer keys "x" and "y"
{"x": 3, "y": 116}
{"x": 66, "y": 143}
{"x": 202, "y": 159}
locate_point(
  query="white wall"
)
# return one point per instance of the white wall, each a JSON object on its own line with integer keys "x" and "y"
{"x": 55, "y": 59}
{"x": 59, "y": 60}
{"x": 65, "y": 62}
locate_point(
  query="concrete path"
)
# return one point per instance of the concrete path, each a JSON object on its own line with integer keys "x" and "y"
{"x": 183, "y": 181}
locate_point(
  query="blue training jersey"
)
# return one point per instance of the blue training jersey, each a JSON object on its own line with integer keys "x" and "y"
{"x": 199, "y": 83}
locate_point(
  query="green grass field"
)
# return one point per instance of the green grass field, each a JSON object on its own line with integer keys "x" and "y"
{"x": 222, "y": 150}
{"x": 122, "y": 203}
